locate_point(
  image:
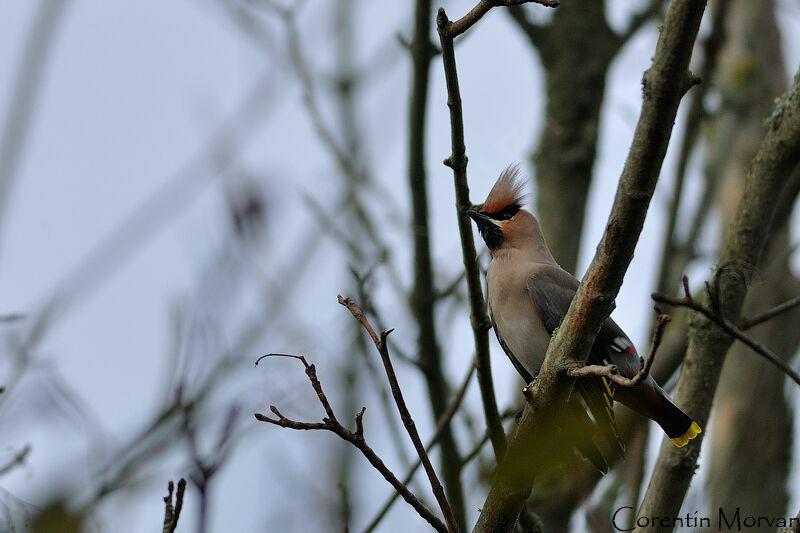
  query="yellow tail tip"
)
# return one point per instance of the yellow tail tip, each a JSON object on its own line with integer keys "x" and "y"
{"x": 693, "y": 431}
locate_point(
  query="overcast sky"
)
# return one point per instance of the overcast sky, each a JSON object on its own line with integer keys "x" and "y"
{"x": 130, "y": 96}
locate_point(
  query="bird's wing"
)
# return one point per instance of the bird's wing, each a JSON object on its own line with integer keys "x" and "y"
{"x": 551, "y": 290}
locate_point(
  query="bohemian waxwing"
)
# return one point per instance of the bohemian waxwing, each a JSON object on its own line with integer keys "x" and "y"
{"x": 529, "y": 294}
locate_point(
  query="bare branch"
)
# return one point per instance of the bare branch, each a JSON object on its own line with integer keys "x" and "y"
{"x": 453, "y": 29}
{"x": 405, "y": 415}
{"x": 478, "y": 317}
{"x": 611, "y": 372}
{"x": 22, "y": 105}
{"x": 748, "y": 323}
{"x": 330, "y": 423}
{"x": 729, "y": 327}
{"x": 171, "y": 514}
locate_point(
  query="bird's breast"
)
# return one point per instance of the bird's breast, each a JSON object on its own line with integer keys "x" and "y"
{"x": 516, "y": 320}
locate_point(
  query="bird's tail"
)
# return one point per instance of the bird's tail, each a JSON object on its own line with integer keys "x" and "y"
{"x": 650, "y": 400}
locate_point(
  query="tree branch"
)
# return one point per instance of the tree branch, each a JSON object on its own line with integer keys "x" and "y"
{"x": 478, "y": 317}
{"x": 730, "y": 328}
{"x": 451, "y": 30}
{"x": 423, "y": 297}
{"x": 664, "y": 85}
{"x": 330, "y": 423}
{"x": 611, "y": 372}
{"x": 171, "y": 514}
{"x": 18, "y": 459}
{"x": 748, "y": 323}
{"x": 405, "y": 415}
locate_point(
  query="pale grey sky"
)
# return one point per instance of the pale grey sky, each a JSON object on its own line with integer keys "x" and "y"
{"x": 130, "y": 94}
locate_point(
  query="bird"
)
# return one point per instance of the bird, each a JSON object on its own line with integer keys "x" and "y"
{"x": 528, "y": 296}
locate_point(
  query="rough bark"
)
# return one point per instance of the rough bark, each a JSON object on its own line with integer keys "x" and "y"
{"x": 742, "y": 244}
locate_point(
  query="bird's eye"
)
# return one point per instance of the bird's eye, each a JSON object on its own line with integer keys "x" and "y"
{"x": 506, "y": 213}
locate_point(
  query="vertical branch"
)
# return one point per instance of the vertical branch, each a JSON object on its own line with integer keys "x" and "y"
{"x": 478, "y": 317}
{"x": 423, "y": 296}
{"x": 27, "y": 84}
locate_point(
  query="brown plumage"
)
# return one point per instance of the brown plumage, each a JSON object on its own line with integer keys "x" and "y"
{"x": 529, "y": 294}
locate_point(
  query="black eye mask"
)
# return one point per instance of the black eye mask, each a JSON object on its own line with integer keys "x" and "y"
{"x": 506, "y": 213}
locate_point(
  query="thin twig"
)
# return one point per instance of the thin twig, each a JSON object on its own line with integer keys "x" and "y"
{"x": 478, "y": 316}
{"x": 727, "y": 326}
{"x": 18, "y": 458}
{"x": 330, "y": 423}
{"x": 171, "y": 514}
{"x": 405, "y": 415}
{"x": 447, "y": 415}
{"x": 611, "y": 372}
{"x": 748, "y": 323}
{"x": 456, "y": 28}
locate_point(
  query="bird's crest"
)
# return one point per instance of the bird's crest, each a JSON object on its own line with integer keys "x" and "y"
{"x": 508, "y": 192}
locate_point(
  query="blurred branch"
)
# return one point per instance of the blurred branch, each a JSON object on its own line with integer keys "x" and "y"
{"x": 747, "y": 323}
{"x": 16, "y": 460}
{"x": 212, "y": 159}
{"x": 449, "y": 413}
{"x": 478, "y": 317}
{"x": 423, "y": 296}
{"x": 356, "y": 438}
{"x": 27, "y": 86}
{"x": 171, "y": 514}
{"x": 639, "y": 19}
{"x": 675, "y": 256}
{"x": 476, "y": 449}
{"x": 611, "y": 372}
{"x": 729, "y": 327}
{"x": 535, "y": 33}
{"x": 205, "y": 469}
{"x": 405, "y": 415}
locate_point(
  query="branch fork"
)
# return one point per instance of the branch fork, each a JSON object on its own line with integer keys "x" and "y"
{"x": 714, "y": 314}
{"x": 330, "y": 423}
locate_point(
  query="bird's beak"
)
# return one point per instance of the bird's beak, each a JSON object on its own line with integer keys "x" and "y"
{"x": 480, "y": 219}
{"x": 490, "y": 230}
